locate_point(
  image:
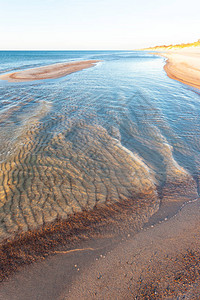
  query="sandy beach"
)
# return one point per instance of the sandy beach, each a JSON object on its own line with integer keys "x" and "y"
{"x": 184, "y": 65}
{"x": 160, "y": 262}
{"x": 144, "y": 246}
{"x": 48, "y": 72}
{"x": 99, "y": 150}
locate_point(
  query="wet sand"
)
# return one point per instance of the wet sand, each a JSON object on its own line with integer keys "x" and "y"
{"x": 75, "y": 250}
{"x": 56, "y": 193}
{"x": 160, "y": 262}
{"x": 184, "y": 65}
{"x": 48, "y": 72}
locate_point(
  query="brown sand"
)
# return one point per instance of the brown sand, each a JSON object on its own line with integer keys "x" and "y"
{"x": 161, "y": 262}
{"x": 184, "y": 65}
{"x": 48, "y": 72}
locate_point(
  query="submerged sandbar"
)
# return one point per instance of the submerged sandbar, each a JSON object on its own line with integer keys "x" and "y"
{"x": 48, "y": 72}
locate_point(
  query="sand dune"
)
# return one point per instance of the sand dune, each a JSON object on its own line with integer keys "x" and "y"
{"x": 48, "y": 72}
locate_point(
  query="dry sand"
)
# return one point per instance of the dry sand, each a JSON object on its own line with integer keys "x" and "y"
{"x": 184, "y": 65}
{"x": 48, "y": 72}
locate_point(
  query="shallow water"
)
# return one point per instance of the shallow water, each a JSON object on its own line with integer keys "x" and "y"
{"x": 118, "y": 131}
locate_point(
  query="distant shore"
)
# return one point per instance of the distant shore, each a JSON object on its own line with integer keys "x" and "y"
{"x": 183, "y": 65}
{"x": 48, "y": 72}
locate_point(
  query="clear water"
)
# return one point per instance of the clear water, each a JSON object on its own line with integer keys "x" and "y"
{"x": 106, "y": 134}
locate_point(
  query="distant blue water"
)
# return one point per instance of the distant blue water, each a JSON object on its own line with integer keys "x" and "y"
{"x": 126, "y": 84}
{"x": 126, "y": 98}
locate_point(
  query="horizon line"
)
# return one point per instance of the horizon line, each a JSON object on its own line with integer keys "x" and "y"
{"x": 69, "y": 50}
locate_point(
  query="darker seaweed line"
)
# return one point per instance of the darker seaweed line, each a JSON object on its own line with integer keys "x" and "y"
{"x": 107, "y": 220}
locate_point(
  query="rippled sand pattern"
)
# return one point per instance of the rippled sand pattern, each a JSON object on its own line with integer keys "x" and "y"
{"x": 54, "y": 175}
{"x": 76, "y": 170}
{"x": 63, "y": 154}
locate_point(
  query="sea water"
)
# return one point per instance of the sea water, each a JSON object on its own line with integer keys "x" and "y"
{"x": 118, "y": 131}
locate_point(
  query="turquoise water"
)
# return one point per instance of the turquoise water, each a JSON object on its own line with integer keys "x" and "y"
{"x": 102, "y": 135}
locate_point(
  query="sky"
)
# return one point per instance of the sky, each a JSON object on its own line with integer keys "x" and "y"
{"x": 97, "y": 24}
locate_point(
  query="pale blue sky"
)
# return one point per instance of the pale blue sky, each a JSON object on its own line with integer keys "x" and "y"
{"x": 96, "y": 24}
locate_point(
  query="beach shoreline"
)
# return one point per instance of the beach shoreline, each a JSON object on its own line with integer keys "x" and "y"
{"x": 101, "y": 254}
{"x": 48, "y": 72}
{"x": 33, "y": 246}
{"x": 183, "y": 65}
{"x": 159, "y": 262}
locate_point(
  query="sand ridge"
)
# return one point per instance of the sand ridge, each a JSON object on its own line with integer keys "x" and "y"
{"x": 48, "y": 72}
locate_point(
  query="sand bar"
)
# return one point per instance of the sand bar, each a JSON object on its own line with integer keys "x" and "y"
{"x": 184, "y": 65}
{"x": 48, "y": 72}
